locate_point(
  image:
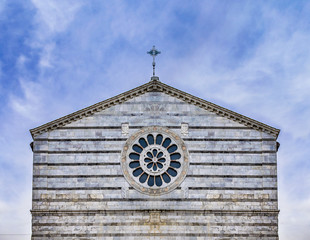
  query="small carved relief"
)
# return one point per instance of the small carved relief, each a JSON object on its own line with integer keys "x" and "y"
{"x": 125, "y": 129}
{"x": 154, "y": 217}
{"x": 154, "y": 222}
{"x": 185, "y": 191}
{"x": 154, "y": 108}
{"x": 125, "y": 191}
{"x": 184, "y": 129}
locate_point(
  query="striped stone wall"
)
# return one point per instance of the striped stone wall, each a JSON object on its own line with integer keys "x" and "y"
{"x": 230, "y": 191}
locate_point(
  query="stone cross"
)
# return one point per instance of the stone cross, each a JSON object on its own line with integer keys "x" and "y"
{"x": 153, "y": 52}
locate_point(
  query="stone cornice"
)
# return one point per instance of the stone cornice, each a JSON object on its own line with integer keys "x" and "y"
{"x": 155, "y": 86}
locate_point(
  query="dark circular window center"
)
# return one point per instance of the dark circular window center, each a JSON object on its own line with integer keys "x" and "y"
{"x": 155, "y": 159}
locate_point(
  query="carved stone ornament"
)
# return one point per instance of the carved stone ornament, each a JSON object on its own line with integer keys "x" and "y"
{"x": 125, "y": 129}
{"x": 154, "y": 160}
{"x": 184, "y": 129}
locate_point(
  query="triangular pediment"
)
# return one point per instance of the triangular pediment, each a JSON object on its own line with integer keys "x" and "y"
{"x": 155, "y": 86}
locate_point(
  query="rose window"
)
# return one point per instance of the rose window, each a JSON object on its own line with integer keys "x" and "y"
{"x": 154, "y": 160}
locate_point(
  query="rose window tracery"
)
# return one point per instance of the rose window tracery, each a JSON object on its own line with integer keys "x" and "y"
{"x": 154, "y": 160}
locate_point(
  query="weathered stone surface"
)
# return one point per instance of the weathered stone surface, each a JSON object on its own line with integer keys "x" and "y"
{"x": 230, "y": 191}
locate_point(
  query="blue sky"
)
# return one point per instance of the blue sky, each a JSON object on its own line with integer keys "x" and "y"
{"x": 57, "y": 57}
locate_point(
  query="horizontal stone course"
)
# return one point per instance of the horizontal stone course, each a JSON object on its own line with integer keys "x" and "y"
{"x": 230, "y": 191}
{"x": 211, "y": 132}
{"x": 53, "y": 146}
{"x": 151, "y": 236}
{"x": 194, "y": 158}
{"x": 203, "y": 229}
{"x": 95, "y": 204}
{"x": 115, "y": 192}
{"x": 206, "y": 182}
{"x": 116, "y": 170}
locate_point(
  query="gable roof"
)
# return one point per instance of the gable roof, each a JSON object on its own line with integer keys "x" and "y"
{"x": 155, "y": 86}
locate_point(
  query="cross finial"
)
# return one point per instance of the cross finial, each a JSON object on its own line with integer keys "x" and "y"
{"x": 153, "y": 52}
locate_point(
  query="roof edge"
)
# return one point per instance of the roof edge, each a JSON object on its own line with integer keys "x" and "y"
{"x": 88, "y": 111}
{"x": 224, "y": 112}
{"x": 155, "y": 86}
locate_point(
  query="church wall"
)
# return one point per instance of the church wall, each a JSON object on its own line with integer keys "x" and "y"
{"x": 230, "y": 191}
{"x": 77, "y": 132}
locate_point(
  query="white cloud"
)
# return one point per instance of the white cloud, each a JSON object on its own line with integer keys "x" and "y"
{"x": 19, "y": 223}
{"x": 29, "y": 104}
{"x": 52, "y": 18}
{"x": 55, "y": 16}
{"x": 294, "y": 220}
{"x": 3, "y": 4}
{"x": 47, "y": 60}
{"x": 88, "y": 54}
{"x": 275, "y": 78}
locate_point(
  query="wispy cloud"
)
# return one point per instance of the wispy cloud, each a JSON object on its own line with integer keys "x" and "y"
{"x": 53, "y": 16}
{"x": 2, "y": 5}
{"x": 251, "y": 57}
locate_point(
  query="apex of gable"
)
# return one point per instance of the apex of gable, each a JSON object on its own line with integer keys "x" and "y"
{"x": 155, "y": 86}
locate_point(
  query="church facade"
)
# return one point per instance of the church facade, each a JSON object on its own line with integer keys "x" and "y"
{"x": 154, "y": 163}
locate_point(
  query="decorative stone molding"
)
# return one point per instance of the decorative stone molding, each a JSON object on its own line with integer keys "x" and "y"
{"x": 155, "y": 86}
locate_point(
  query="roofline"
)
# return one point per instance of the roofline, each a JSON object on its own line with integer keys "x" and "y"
{"x": 155, "y": 86}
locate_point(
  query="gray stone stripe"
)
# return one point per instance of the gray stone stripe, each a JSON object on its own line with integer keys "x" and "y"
{"x": 189, "y": 175}
{"x": 228, "y": 139}
{"x": 138, "y": 127}
{"x": 81, "y": 139}
{"x": 77, "y": 188}
{"x": 185, "y": 212}
{"x": 218, "y": 127}
{"x": 156, "y": 102}
{"x": 76, "y": 151}
{"x": 130, "y": 234}
{"x": 79, "y": 164}
{"x": 166, "y": 223}
{"x": 111, "y": 127}
{"x": 149, "y": 114}
{"x": 117, "y": 163}
{"x": 78, "y": 176}
{"x": 230, "y": 152}
{"x": 119, "y": 151}
{"x": 232, "y": 164}
{"x": 91, "y": 127}
{"x": 124, "y": 139}
{"x": 232, "y": 176}
{"x": 190, "y": 188}
{"x": 155, "y": 200}
{"x": 233, "y": 188}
